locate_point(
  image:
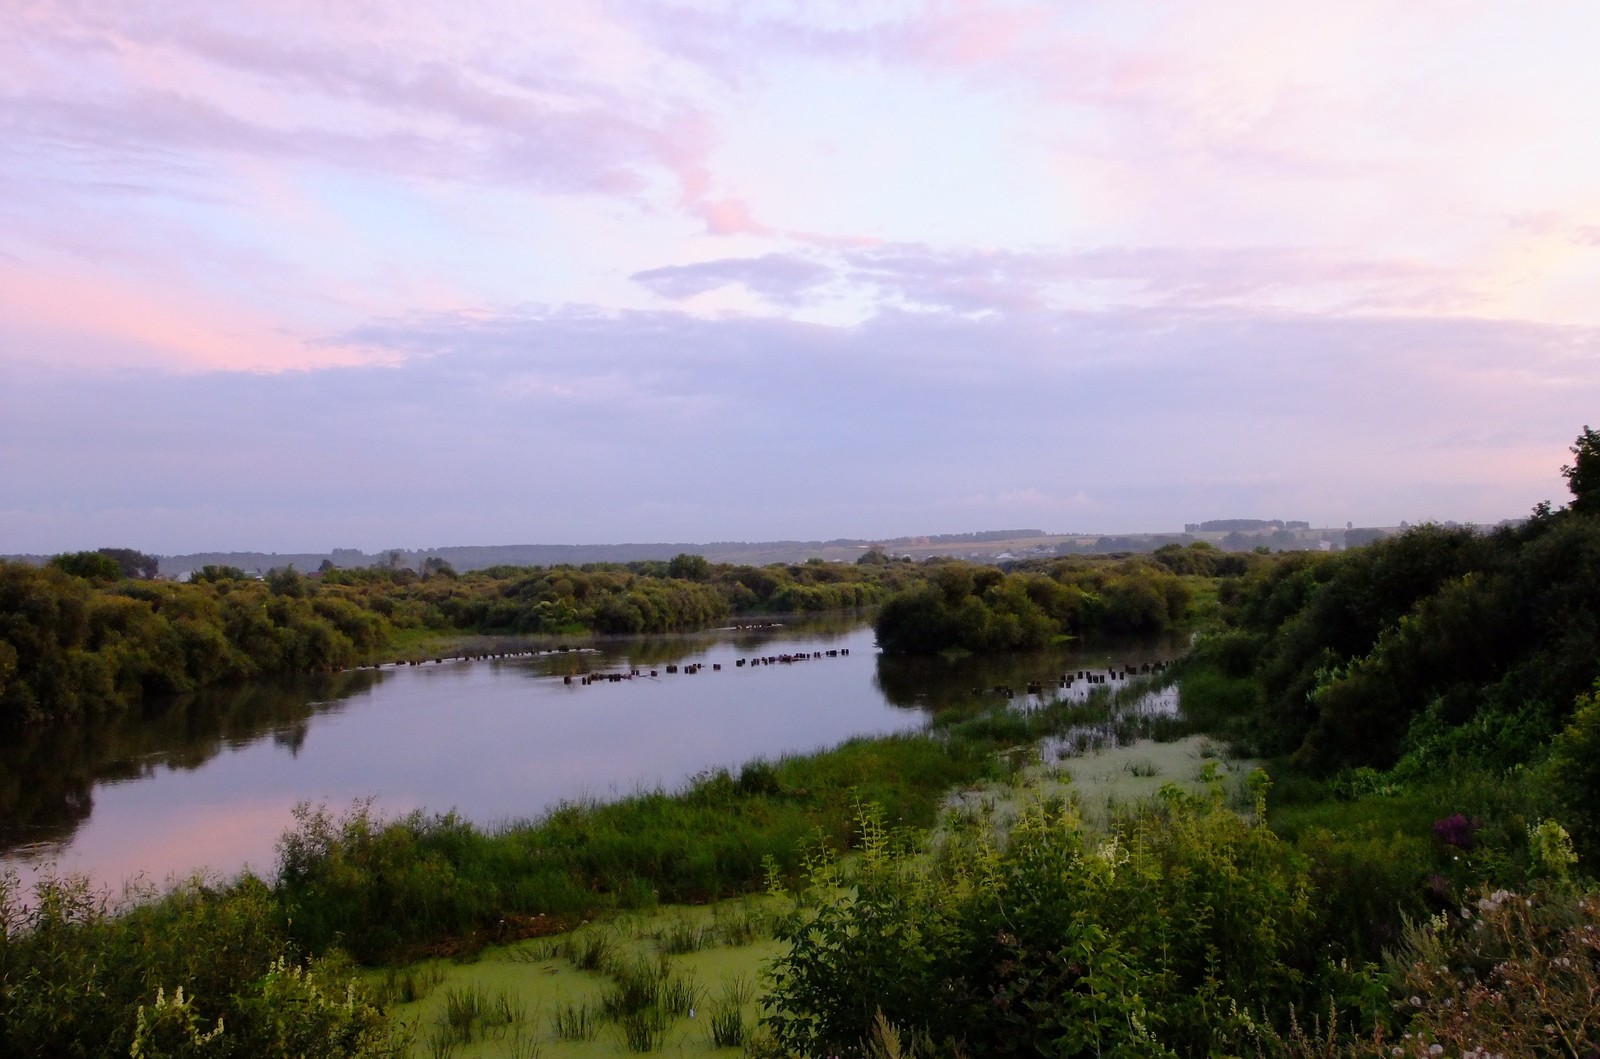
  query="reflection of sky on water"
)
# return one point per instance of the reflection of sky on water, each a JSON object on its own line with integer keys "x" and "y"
{"x": 495, "y": 740}
{"x": 504, "y": 739}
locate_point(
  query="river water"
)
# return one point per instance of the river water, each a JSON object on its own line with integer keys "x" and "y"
{"x": 211, "y": 783}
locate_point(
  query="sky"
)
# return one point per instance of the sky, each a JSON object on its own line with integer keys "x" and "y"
{"x": 302, "y": 274}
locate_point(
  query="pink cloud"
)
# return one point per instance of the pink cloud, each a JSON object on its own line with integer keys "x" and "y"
{"x": 92, "y": 317}
{"x": 1552, "y": 222}
{"x": 387, "y": 98}
{"x": 730, "y": 216}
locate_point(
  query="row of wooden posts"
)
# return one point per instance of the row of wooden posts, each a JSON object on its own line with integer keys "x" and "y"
{"x": 1087, "y": 676}
{"x": 585, "y": 679}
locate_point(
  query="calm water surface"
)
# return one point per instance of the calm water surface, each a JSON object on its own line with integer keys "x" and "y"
{"x": 212, "y": 783}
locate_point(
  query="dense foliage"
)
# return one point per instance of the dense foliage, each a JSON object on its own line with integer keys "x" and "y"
{"x": 1435, "y": 647}
{"x": 686, "y": 593}
{"x": 963, "y": 606}
{"x": 377, "y": 888}
{"x": 206, "y": 970}
{"x": 73, "y": 648}
{"x": 1169, "y": 934}
{"x": 1418, "y": 888}
{"x": 82, "y": 640}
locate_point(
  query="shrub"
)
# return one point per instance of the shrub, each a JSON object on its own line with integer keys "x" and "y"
{"x": 1160, "y": 937}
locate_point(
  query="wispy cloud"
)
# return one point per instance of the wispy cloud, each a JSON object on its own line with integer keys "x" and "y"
{"x": 781, "y": 278}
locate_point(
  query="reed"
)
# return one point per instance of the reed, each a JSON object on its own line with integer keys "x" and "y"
{"x": 636, "y": 985}
{"x": 726, "y": 1025}
{"x": 741, "y": 923}
{"x": 643, "y": 1031}
{"x": 683, "y": 935}
{"x": 473, "y": 1013}
{"x": 679, "y": 995}
{"x": 594, "y": 951}
{"x": 575, "y": 1022}
{"x": 407, "y": 984}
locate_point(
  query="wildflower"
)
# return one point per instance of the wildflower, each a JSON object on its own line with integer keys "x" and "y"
{"x": 1457, "y": 830}
{"x": 1493, "y": 902}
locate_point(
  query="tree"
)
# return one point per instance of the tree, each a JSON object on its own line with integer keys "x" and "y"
{"x": 133, "y": 564}
{"x": 210, "y": 574}
{"x": 1583, "y": 475}
{"x": 434, "y": 566}
{"x": 288, "y": 582}
{"x": 95, "y": 566}
{"x": 689, "y": 567}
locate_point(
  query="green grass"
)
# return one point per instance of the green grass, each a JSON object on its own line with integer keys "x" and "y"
{"x": 639, "y": 1000}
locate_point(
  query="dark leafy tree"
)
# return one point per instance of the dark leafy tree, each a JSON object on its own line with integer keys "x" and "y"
{"x": 93, "y": 566}
{"x": 133, "y": 564}
{"x": 1583, "y": 474}
{"x": 434, "y": 566}
{"x": 689, "y": 567}
{"x": 210, "y": 574}
{"x": 288, "y": 582}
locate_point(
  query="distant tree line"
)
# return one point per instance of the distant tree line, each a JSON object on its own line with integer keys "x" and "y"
{"x": 82, "y": 637}
{"x": 686, "y": 592}
{"x": 979, "y": 537}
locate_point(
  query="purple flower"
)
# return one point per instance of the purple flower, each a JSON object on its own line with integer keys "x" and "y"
{"x": 1457, "y": 830}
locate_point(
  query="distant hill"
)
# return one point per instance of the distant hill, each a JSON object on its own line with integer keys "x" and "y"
{"x": 984, "y": 545}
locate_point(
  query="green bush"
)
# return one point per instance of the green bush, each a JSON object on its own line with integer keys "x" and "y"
{"x": 1573, "y": 775}
{"x": 202, "y": 970}
{"x": 1172, "y": 934}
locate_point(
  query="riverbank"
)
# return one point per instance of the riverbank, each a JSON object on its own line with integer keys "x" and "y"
{"x": 561, "y": 997}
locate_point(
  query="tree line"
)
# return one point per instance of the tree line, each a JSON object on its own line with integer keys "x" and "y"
{"x": 91, "y": 634}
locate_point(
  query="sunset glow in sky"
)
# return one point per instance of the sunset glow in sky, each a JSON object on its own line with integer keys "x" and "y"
{"x": 302, "y": 275}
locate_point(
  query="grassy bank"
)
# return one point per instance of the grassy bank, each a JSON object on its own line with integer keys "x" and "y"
{"x": 382, "y": 888}
{"x": 678, "y": 979}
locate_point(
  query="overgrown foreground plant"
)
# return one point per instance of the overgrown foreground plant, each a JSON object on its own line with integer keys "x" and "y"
{"x": 1510, "y": 975}
{"x": 1181, "y": 930}
{"x": 206, "y": 970}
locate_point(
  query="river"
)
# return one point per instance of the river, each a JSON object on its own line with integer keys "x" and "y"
{"x": 211, "y": 782}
